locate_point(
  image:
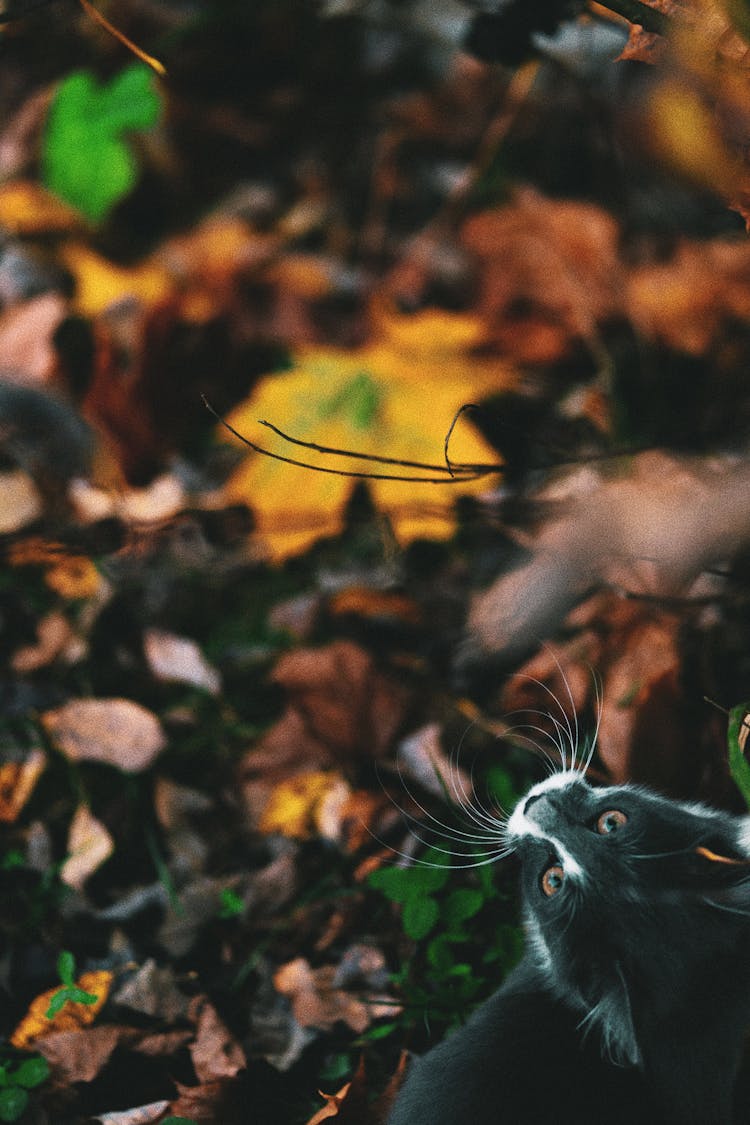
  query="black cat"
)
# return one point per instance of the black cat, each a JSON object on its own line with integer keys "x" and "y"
{"x": 631, "y": 1003}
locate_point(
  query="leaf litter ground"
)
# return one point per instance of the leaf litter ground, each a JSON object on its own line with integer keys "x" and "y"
{"x": 239, "y": 697}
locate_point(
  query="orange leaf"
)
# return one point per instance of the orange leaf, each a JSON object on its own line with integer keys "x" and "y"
{"x": 71, "y": 1017}
{"x": 17, "y": 781}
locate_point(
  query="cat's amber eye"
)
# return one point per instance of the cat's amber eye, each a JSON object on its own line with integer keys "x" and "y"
{"x": 610, "y": 821}
{"x": 552, "y": 880}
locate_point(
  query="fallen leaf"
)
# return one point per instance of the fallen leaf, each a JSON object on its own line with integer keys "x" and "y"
{"x": 26, "y": 208}
{"x": 179, "y": 660}
{"x": 20, "y": 502}
{"x": 139, "y": 1115}
{"x": 350, "y": 1105}
{"x": 54, "y": 635}
{"x": 294, "y": 805}
{"x": 394, "y": 397}
{"x": 340, "y": 707}
{"x": 118, "y": 732}
{"x": 79, "y": 1055}
{"x": 17, "y": 781}
{"x": 100, "y": 284}
{"x": 316, "y": 1002}
{"x": 89, "y": 846}
{"x": 153, "y": 991}
{"x": 72, "y": 1016}
{"x": 550, "y": 274}
{"x": 215, "y": 1052}
{"x": 207, "y": 1104}
{"x": 26, "y": 337}
{"x": 73, "y": 578}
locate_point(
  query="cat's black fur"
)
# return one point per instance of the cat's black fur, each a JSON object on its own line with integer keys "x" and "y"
{"x": 631, "y": 1004}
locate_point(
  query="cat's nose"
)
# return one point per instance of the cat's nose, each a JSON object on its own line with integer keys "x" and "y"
{"x": 531, "y": 800}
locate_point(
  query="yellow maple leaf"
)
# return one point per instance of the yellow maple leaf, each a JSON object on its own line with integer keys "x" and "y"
{"x": 73, "y": 1016}
{"x": 100, "y": 283}
{"x": 397, "y": 397}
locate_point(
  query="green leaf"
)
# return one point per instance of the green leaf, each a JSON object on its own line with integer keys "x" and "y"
{"x": 85, "y": 159}
{"x": 31, "y": 1073}
{"x": 419, "y": 917}
{"x": 358, "y": 400}
{"x": 79, "y": 996}
{"x": 66, "y": 967}
{"x": 460, "y": 905}
{"x": 737, "y": 733}
{"x": 57, "y": 1003}
{"x": 13, "y": 1101}
{"x": 179, "y": 1121}
{"x": 231, "y": 904}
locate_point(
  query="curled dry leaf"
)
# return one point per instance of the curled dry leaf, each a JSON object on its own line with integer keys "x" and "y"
{"x": 350, "y": 1105}
{"x": 117, "y": 732}
{"x": 89, "y": 846}
{"x": 153, "y": 991}
{"x": 179, "y": 660}
{"x": 54, "y": 636}
{"x": 215, "y": 1052}
{"x": 17, "y": 781}
{"x": 71, "y": 1017}
{"x": 317, "y": 1003}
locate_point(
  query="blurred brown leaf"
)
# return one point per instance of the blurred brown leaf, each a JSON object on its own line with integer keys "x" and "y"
{"x": 118, "y": 732}
{"x": 214, "y": 1051}
{"x": 89, "y": 846}
{"x": 17, "y": 781}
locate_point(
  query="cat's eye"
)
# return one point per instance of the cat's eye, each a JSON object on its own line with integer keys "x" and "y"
{"x": 552, "y": 880}
{"x": 610, "y": 821}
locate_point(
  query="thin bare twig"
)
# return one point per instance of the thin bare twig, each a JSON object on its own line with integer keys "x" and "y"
{"x": 467, "y": 472}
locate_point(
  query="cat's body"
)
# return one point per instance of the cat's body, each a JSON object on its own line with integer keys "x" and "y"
{"x": 631, "y": 1003}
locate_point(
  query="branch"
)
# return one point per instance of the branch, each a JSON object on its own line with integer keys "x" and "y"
{"x": 635, "y": 11}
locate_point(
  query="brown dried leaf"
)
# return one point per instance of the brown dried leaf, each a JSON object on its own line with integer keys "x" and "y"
{"x": 215, "y": 1052}
{"x": 550, "y": 272}
{"x": 350, "y": 1105}
{"x": 317, "y": 1003}
{"x": 89, "y": 846}
{"x": 79, "y": 1055}
{"x": 179, "y": 660}
{"x": 117, "y": 732}
{"x": 153, "y": 991}
{"x": 138, "y": 1115}
{"x": 54, "y": 635}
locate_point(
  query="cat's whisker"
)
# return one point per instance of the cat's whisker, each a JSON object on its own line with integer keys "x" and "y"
{"x": 442, "y": 828}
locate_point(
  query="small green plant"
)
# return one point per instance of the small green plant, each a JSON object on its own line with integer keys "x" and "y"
{"x": 16, "y": 1079}
{"x": 232, "y": 905}
{"x": 70, "y": 993}
{"x": 454, "y": 965}
{"x": 737, "y": 733}
{"x": 86, "y": 159}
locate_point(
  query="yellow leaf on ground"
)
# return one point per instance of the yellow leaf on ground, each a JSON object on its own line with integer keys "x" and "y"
{"x": 72, "y": 1016}
{"x": 100, "y": 283}
{"x": 395, "y": 397}
{"x": 73, "y": 577}
{"x": 26, "y": 208}
{"x": 294, "y": 803}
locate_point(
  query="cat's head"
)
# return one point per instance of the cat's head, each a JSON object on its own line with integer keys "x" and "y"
{"x": 630, "y": 899}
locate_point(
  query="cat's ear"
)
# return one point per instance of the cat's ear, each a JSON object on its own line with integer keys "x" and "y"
{"x": 612, "y": 1019}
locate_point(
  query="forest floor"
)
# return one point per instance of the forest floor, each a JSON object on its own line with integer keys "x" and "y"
{"x": 373, "y": 422}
